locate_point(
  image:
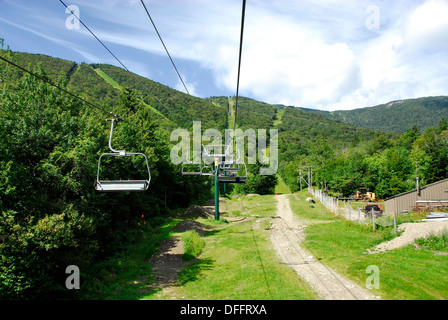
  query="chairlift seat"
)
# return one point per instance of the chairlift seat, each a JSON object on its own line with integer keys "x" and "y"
{"x": 230, "y": 169}
{"x": 188, "y": 173}
{"x": 121, "y": 185}
{"x": 230, "y": 173}
{"x": 231, "y": 179}
{"x": 207, "y": 170}
{"x": 190, "y": 169}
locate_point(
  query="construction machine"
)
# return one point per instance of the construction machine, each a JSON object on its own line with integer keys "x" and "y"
{"x": 363, "y": 194}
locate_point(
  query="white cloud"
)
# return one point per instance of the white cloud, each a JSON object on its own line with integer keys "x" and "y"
{"x": 191, "y": 86}
{"x": 427, "y": 26}
{"x": 407, "y": 59}
{"x": 307, "y": 53}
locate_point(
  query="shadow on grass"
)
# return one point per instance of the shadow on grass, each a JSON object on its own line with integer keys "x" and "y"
{"x": 194, "y": 271}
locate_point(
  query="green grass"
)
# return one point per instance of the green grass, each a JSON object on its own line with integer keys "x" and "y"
{"x": 193, "y": 244}
{"x": 405, "y": 273}
{"x": 123, "y": 275}
{"x": 238, "y": 263}
{"x": 235, "y": 260}
{"x": 306, "y": 212}
{"x": 108, "y": 79}
{"x": 279, "y": 115}
{"x": 281, "y": 187}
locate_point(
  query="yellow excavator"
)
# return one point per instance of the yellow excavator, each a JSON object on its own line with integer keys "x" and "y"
{"x": 363, "y": 194}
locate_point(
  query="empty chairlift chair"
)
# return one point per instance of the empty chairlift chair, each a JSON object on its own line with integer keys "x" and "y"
{"x": 191, "y": 169}
{"x": 121, "y": 185}
{"x": 229, "y": 171}
{"x": 232, "y": 172}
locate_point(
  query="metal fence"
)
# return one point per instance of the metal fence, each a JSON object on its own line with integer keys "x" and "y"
{"x": 344, "y": 209}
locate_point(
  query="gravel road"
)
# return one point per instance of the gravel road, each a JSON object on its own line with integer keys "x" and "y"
{"x": 286, "y": 237}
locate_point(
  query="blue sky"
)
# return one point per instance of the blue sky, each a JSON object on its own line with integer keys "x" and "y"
{"x": 323, "y": 54}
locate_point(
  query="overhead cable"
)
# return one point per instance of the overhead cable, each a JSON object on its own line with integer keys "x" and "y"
{"x": 121, "y": 63}
{"x": 239, "y": 61}
{"x": 161, "y": 40}
{"x": 58, "y": 87}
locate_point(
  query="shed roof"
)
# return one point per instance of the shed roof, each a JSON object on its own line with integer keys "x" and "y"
{"x": 415, "y": 190}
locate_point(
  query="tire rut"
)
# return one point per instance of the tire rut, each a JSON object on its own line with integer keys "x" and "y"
{"x": 287, "y": 236}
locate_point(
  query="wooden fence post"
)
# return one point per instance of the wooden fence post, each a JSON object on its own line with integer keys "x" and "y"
{"x": 373, "y": 219}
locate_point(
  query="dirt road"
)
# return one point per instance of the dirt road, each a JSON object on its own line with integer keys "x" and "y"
{"x": 286, "y": 236}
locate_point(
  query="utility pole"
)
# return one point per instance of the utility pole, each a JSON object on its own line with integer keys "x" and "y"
{"x": 310, "y": 176}
{"x": 302, "y": 178}
{"x": 417, "y": 180}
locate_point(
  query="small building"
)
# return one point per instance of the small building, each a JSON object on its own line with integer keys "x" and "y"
{"x": 433, "y": 195}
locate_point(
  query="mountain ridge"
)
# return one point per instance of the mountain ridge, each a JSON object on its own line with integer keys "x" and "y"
{"x": 423, "y": 113}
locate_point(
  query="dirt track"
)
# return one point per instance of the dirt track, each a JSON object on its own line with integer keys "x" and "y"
{"x": 286, "y": 236}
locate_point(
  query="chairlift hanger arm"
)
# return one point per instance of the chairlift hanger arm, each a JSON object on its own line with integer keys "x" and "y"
{"x": 120, "y": 152}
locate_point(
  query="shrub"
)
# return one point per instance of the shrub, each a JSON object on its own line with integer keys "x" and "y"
{"x": 193, "y": 244}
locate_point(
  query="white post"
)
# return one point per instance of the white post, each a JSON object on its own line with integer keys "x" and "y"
{"x": 395, "y": 222}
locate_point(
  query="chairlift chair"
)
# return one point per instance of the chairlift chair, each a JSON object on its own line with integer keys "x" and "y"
{"x": 232, "y": 171}
{"x": 121, "y": 185}
{"x": 209, "y": 154}
{"x": 191, "y": 169}
{"x": 235, "y": 172}
{"x": 207, "y": 170}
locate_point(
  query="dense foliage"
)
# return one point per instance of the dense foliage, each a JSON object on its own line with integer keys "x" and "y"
{"x": 344, "y": 158}
{"x": 423, "y": 112}
{"x": 50, "y": 142}
{"x": 51, "y": 215}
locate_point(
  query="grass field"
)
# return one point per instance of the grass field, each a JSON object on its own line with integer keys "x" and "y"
{"x": 236, "y": 259}
{"x": 406, "y": 273}
{"x": 239, "y": 263}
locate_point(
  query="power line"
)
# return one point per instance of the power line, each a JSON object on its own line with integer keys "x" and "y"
{"x": 119, "y": 61}
{"x": 59, "y": 87}
{"x": 70, "y": 93}
{"x": 160, "y": 37}
{"x": 239, "y": 61}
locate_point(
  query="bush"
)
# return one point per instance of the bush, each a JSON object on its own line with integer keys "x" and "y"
{"x": 34, "y": 255}
{"x": 435, "y": 242}
{"x": 193, "y": 244}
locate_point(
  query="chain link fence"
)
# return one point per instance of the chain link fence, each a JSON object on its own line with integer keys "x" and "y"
{"x": 344, "y": 209}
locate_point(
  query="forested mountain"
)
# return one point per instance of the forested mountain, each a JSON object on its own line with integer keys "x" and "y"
{"x": 51, "y": 215}
{"x": 395, "y": 116}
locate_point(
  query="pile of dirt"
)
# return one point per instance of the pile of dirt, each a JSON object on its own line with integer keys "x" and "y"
{"x": 194, "y": 212}
{"x": 211, "y": 202}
